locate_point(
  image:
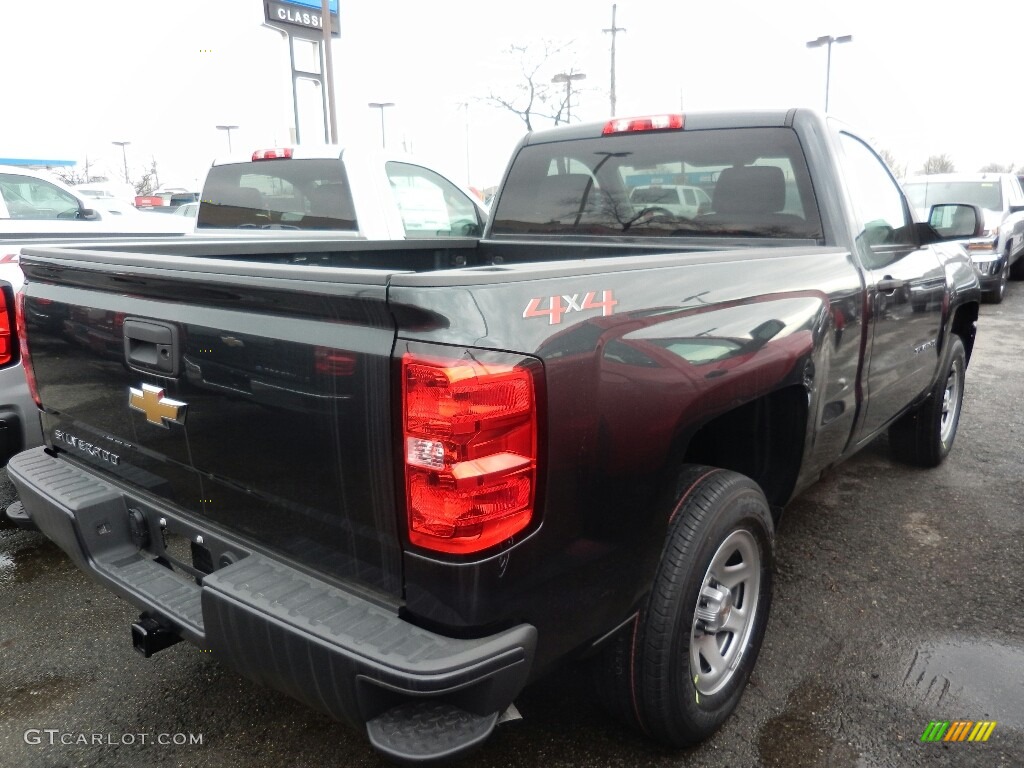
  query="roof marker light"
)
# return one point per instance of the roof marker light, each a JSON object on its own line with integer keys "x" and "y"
{"x": 650, "y": 123}
{"x": 278, "y": 153}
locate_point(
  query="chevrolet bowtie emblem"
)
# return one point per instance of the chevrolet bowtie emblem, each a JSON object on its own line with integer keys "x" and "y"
{"x": 159, "y": 410}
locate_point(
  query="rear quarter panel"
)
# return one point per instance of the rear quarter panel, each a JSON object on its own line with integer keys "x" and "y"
{"x": 664, "y": 344}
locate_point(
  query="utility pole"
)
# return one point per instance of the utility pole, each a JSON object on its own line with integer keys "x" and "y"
{"x": 614, "y": 31}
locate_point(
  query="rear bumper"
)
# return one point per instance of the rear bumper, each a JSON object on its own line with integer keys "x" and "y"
{"x": 333, "y": 649}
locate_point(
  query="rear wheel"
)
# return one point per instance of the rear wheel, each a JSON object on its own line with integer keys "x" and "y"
{"x": 925, "y": 436}
{"x": 679, "y": 670}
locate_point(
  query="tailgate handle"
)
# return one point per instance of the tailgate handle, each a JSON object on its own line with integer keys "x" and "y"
{"x": 152, "y": 347}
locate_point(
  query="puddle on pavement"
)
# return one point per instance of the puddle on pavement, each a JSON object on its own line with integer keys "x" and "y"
{"x": 800, "y": 737}
{"x": 25, "y": 556}
{"x": 970, "y": 679}
{"x": 28, "y": 699}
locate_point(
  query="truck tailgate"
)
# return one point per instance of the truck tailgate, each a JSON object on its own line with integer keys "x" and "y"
{"x": 254, "y": 398}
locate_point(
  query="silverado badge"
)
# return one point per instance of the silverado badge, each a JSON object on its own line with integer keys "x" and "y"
{"x": 159, "y": 410}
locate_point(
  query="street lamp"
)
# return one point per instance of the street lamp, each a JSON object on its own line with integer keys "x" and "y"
{"x": 122, "y": 145}
{"x": 568, "y": 78}
{"x": 381, "y": 105}
{"x": 229, "y": 129}
{"x": 828, "y": 40}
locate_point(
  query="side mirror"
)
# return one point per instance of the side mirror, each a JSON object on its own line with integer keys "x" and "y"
{"x": 956, "y": 221}
{"x": 88, "y": 214}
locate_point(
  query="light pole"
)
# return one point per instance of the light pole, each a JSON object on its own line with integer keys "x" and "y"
{"x": 568, "y": 78}
{"x": 381, "y": 105}
{"x": 124, "y": 156}
{"x": 828, "y": 40}
{"x": 229, "y": 129}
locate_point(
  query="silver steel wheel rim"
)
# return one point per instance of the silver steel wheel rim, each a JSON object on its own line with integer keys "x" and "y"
{"x": 725, "y": 613}
{"x": 950, "y": 404}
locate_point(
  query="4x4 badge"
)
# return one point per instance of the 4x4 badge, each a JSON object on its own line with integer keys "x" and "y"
{"x": 159, "y": 410}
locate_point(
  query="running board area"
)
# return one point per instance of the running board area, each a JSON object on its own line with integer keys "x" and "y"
{"x": 428, "y": 731}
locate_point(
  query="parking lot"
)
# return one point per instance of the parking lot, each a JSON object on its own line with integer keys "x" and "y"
{"x": 897, "y": 603}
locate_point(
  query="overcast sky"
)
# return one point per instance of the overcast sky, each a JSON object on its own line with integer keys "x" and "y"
{"x": 919, "y": 78}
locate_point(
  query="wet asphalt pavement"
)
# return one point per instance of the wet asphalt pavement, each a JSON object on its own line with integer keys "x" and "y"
{"x": 898, "y": 601}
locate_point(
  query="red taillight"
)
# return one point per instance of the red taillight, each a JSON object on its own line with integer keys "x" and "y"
{"x": 651, "y": 123}
{"x": 26, "y": 361}
{"x": 6, "y": 347}
{"x": 470, "y": 430}
{"x": 272, "y": 154}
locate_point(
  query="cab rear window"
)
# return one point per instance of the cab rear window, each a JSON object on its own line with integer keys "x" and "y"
{"x": 755, "y": 179}
{"x": 278, "y": 194}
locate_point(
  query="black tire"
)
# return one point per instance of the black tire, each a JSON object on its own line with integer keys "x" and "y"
{"x": 655, "y": 674}
{"x": 925, "y": 436}
{"x": 997, "y": 294}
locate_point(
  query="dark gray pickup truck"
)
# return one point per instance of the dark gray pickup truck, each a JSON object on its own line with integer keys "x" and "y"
{"x": 399, "y": 481}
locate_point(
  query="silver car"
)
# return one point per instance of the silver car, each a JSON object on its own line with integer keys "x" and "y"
{"x": 998, "y": 249}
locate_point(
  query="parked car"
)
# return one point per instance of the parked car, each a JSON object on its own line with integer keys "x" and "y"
{"x": 189, "y": 210}
{"x": 38, "y": 203}
{"x": 676, "y": 199}
{"x": 19, "y": 417}
{"x": 998, "y": 248}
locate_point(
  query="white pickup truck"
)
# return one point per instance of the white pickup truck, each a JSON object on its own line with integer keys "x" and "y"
{"x": 348, "y": 191}
{"x": 317, "y": 192}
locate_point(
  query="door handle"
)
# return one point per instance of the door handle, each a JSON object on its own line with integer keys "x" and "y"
{"x": 889, "y": 285}
{"x": 151, "y": 346}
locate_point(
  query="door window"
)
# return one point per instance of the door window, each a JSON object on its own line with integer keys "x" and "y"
{"x": 886, "y": 229}
{"x": 431, "y": 206}
{"x": 29, "y": 198}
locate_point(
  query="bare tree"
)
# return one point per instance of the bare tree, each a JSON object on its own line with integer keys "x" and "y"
{"x": 898, "y": 170}
{"x": 997, "y": 168}
{"x": 145, "y": 185}
{"x": 938, "y": 164}
{"x": 71, "y": 176}
{"x": 534, "y": 95}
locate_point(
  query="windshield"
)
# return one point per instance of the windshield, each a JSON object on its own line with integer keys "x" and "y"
{"x": 756, "y": 180}
{"x": 278, "y": 194}
{"x": 985, "y": 194}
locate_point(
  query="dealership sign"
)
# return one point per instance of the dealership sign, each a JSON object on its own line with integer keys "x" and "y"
{"x": 300, "y": 13}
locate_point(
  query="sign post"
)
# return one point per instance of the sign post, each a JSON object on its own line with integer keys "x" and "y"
{"x": 305, "y": 24}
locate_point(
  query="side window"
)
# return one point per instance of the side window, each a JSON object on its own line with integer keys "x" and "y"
{"x": 431, "y": 206}
{"x": 886, "y": 227}
{"x": 28, "y": 198}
